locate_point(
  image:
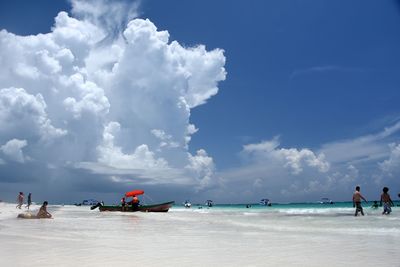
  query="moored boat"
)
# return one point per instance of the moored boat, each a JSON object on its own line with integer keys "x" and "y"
{"x": 265, "y": 202}
{"x": 326, "y": 200}
{"x": 187, "y": 204}
{"x": 161, "y": 207}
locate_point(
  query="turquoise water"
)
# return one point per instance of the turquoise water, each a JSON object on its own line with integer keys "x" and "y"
{"x": 280, "y": 206}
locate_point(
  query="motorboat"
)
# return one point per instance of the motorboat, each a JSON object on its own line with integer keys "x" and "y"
{"x": 326, "y": 200}
{"x": 265, "y": 202}
{"x": 135, "y": 206}
{"x": 187, "y": 204}
{"x": 161, "y": 207}
{"x": 90, "y": 202}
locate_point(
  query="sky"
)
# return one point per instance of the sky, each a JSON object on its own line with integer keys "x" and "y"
{"x": 224, "y": 100}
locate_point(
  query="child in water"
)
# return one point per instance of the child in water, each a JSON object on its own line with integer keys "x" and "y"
{"x": 357, "y": 201}
{"x": 387, "y": 201}
{"x": 375, "y": 205}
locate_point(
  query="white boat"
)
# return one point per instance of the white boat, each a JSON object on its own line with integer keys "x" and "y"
{"x": 90, "y": 202}
{"x": 265, "y": 202}
{"x": 187, "y": 204}
{"x": 326, "y": 200}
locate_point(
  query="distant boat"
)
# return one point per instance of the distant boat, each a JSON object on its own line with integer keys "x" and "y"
{"x": 265, "y": 202}
{"x": 209, "y": 203}
{"x": 90, "y": 202}
{"x": 326, "y": 200}
{"x": 187, "y": 204}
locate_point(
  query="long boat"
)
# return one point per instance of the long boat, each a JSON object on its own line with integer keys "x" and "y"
{"x": 162, "y": 207}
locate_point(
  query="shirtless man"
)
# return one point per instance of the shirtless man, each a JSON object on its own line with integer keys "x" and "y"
{"x": 357, "y": 201}
{"x": 387, "y": 201}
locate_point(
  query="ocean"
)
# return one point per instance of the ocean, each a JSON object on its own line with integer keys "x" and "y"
{"x": 224, "y": 235}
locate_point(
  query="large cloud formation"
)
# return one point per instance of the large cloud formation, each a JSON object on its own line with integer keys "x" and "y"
{"x": 105, "y": 93}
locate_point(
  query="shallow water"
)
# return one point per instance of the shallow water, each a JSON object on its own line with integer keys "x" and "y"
{"x": 228, "y": 235}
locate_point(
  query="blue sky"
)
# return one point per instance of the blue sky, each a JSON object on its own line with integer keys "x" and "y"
{"x": 310, "y": 72}
{"x": 303, "y": 78}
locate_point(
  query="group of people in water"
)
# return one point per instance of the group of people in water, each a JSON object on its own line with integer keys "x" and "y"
{"x": 385, "y": 201}
{"x": 42, "y": 213}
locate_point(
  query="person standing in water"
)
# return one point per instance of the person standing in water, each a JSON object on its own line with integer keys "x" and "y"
{"x": 43, "y": 213}
{"x": 387, "y": 201}
{"x": 20, "y": 200}
{"x": 28, "y": 204}
{"x": 357, "y": 201}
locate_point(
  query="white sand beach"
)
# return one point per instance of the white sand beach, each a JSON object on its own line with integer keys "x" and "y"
{"x": 78, "y": 236}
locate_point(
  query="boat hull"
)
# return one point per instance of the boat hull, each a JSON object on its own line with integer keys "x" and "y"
{"x": 162, "y": 207}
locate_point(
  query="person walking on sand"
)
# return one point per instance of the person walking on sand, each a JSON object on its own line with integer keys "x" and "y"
{"x": 29, "y": 202}
{"x": 357, "y": 201}
{"x": 43, "y": 213}
{"x": 20, "y": 200}
{"x": 387, "y": 201}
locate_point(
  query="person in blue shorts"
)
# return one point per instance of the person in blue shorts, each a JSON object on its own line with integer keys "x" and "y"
{"x": 387, "y": 201}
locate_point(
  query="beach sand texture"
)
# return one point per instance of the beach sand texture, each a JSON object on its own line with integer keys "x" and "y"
{"x": 225, "y": 236}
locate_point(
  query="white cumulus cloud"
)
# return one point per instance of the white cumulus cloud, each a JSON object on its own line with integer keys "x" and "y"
{"x": 106, "y": 93}
{"x": 292, "y": 158}
{"x": 392, "y": 164}
{"x": 13, "y": 150}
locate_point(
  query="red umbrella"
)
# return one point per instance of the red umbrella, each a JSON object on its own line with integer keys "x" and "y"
{"x": 134, "y": 193}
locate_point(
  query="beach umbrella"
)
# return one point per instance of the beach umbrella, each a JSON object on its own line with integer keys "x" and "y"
{"x": 134, "y": 193}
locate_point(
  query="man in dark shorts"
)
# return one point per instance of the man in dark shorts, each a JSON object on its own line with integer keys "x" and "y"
{"x": 357, "y": 201}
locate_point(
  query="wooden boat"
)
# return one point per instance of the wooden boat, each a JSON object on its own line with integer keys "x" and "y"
{"x": 162, "y": 207}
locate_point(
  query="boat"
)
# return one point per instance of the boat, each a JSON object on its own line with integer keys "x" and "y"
{"x": 187, "y": 204}
{"x": 209, "y": 203}
{"x": 326, "y": 200}
{"x": 265, "y": 202}
{"x": 135, "y": 206}
{"x": 162, "y": 207}
{"x": 89, "y": 202}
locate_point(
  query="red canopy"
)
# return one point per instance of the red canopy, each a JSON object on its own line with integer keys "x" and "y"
{"x": 134, "y": 193}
